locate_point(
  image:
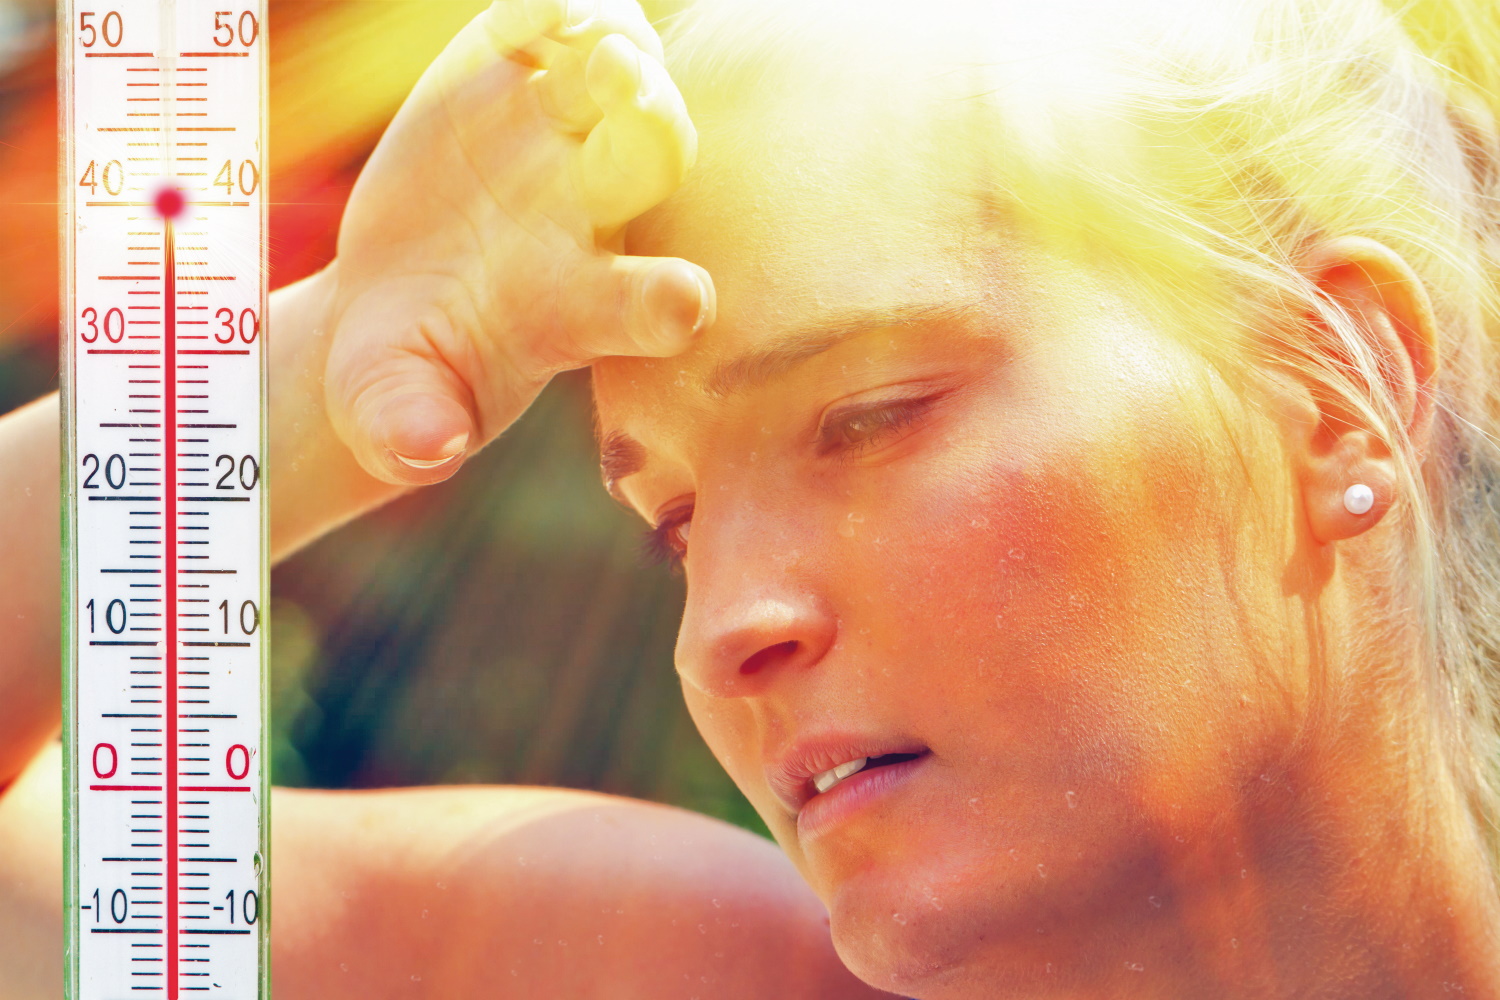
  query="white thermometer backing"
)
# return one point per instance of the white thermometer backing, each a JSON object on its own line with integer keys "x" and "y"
{"x": 162, "y": 113}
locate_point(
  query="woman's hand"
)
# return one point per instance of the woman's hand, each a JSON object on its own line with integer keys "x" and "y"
{"x": 471, "y": 264}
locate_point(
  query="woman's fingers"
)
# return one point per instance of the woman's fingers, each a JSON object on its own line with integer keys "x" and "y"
{"x": 412, "y": 393}
{"x": 563, "y": 89}
{"x": 635, "y": 306}
{"x": 498, "y": 282}
{"x": 424, "y": 429}
{"x": 645, "y": 144}
{"x": 507, "y": 29}
{"x": 397, "y": 387}
{"x": 580, "y": 24}
{"x": 565, "y": 96}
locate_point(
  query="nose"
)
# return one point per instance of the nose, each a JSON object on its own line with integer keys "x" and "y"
{"x": 754, "y": 615}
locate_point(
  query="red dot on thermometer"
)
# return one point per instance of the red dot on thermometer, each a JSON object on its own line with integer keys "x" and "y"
{"x": 169, "y": 203}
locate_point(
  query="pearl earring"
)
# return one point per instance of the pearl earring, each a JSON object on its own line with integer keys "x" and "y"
{"x": 1359, "y": 498}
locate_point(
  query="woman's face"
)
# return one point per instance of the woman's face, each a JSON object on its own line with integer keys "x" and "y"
{"x": 953, "y": 504}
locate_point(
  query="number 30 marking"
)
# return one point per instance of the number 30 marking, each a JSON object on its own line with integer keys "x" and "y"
{"x": 249, "y": 326}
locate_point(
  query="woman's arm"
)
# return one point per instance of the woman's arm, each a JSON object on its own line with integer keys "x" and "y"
{"x": 450, "y": 893}
{"x": 30, "y": 678}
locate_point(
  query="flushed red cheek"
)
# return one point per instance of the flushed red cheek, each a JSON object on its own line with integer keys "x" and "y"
{"x": 970, "y": 576}
{"x": 1026, "y": 605}
{"x": 998, "y": 608}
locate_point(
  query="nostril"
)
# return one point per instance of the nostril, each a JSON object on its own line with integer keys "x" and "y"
{"x": 768, "y": 655}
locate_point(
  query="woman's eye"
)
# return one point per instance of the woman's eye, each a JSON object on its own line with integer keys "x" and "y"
{"x": 667, "y": 542}
{"x": 857, "y": 430}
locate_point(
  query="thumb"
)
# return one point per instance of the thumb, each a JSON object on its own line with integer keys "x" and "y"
{"x": 394, "y": 398}
{"x": 610, "y": 305}
{"x": 392, "y": 384}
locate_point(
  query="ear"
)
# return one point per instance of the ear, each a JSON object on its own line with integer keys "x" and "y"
{"x": 1338, "y": 448}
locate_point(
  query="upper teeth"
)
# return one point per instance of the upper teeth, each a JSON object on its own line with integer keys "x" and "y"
{"x": 827, "y": 779}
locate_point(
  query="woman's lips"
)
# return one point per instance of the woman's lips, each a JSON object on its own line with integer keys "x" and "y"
{"x": 824, "y": 811}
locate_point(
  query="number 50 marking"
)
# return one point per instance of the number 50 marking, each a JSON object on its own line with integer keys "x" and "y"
{"x": 248, "y": 26}
{"x": 111, "y": 38}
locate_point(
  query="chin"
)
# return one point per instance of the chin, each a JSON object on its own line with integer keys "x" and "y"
{"x": 912, "y": 936}
{"x": 966, "y": 921}
{"x": 897, "y": 963}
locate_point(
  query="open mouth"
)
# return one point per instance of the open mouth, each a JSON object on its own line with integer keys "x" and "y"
{"x": 827, "y": 780}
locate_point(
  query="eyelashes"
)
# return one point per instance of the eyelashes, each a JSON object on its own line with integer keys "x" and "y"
{"x": 666, "y": 544}
{"x": 854, "y": 430}
{"x": 845, "y": 434}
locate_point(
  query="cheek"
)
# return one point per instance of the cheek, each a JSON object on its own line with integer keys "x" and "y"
{"x": 1060, "y": 600}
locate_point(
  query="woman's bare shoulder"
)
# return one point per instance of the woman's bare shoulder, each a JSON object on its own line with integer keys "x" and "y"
{"x": 478, "y": 890}
{"x": 548, "y": 892}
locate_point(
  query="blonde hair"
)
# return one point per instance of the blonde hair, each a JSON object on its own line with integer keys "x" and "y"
{"x": 1210, "y": 148}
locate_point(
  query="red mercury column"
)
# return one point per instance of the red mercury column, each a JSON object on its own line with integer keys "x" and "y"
{"x": 169, "y": 204}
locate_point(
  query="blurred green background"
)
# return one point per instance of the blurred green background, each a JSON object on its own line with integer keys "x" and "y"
{"x": 499, "y": 628}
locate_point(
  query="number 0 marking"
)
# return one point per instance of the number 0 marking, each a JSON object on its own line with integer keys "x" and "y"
{"x": 114, "y": 761}
{"x": 229, "y": 762}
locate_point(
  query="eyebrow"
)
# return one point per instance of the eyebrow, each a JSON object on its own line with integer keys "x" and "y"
{"x": 620, "y": 455}
{"x": 757, "y": 367}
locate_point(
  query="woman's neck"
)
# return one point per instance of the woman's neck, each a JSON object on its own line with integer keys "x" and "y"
{"x": 1355, "y": 869}
{"x": 1354, "y": 872}
{"x": 1357, "y": 872}
{"x": 1363, "y": 879}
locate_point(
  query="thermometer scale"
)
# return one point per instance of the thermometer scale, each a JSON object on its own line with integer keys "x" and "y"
{"x": 165, "y": 584}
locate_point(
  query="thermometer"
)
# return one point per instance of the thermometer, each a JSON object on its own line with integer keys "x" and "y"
{"x": 162, "y": 113}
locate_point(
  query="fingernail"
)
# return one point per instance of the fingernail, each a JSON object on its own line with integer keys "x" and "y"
{"x": 452, "y": 449}
{"x": 420, "y": 463}
{"x": 678, "y": 303}
{"x": 706, "y": 304}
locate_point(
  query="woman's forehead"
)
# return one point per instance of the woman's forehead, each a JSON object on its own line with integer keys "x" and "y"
{"x": 818, "y": 210}
{"x": 796, "y": 272}
{"x": 780, "y": 306}
{"x": 645, "y": 404}
{"x": 858, "y": 208}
